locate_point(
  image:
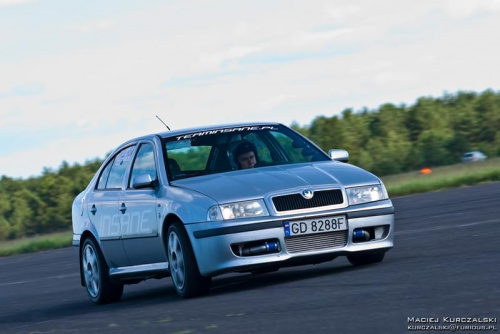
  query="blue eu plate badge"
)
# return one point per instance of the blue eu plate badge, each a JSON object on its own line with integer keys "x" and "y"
{"x": 286, "y": 225}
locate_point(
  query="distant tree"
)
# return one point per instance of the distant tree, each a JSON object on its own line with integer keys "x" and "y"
{"x": 5, "y": 208}
{"x": 488, "y": 111}
{"x": 42, "y": 204}
{"x": 22, "y": 215}
{"x": 465, "y": 119}
{"x": 456, "y": 146}
{"x": 427, "y": 114}
{"x": 302, "y": 130}
{"x": 4, "y": 229}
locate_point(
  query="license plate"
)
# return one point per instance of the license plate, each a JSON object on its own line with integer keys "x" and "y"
{"x": 317, "y": 225}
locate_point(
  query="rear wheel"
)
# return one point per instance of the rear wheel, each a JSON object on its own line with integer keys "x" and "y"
{"x": 188, "y": 281}
{"x": 100, "y": 289}
{"x": 364, "y": 258}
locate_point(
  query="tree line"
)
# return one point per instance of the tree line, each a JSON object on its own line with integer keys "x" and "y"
{"x": 387, "y": 140}
{"x": 42, "y": 204}
{"x": 399, "y": 138}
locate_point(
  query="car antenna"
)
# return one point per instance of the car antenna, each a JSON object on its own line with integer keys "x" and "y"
{"x": 163, "y": 122}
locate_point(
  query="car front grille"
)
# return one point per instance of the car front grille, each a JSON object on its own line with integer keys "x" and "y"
{"x": 298, "y": 202}
{"x": 313, "y": 242}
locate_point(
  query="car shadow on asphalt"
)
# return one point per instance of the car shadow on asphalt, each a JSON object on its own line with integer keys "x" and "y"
{"x": 245, "y": 282}
{"x": 233, "y": 283}
{"x": 163, "y": 292}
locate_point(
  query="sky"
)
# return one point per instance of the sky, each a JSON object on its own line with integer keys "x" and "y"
{"x": 78, "y": 78}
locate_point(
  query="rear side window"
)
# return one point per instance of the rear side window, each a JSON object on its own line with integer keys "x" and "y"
{"x": 113, "y": 174}
{"x": 104, "y": 176}
{"x": 144, "y": 163}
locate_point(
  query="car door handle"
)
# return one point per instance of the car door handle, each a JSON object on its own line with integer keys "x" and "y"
{"x": 123, "y": 208}
{"x": 93, "y": 210}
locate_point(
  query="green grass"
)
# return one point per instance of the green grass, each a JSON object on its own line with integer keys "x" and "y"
{"x": 445, "y": 177}
{"x": 397, "y": 185}
{"x": 36, "y": 243}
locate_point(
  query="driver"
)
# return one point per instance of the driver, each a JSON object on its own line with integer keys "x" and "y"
{"x": 245, "y": 155}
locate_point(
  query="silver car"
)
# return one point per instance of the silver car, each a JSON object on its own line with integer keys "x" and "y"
{"x": 196, "y": 203}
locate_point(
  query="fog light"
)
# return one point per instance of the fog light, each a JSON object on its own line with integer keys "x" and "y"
{"x": 379, "y": 232}
{"x": 360, "y": 235}
{"x": 256, "y": 248}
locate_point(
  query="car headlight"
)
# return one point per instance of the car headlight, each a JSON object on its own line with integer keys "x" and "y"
{"x": 245, "y": 209}
{"x": 359, "y": 195}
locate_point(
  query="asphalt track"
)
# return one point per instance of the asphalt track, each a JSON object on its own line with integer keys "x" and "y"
{"x": 446, "y": 263}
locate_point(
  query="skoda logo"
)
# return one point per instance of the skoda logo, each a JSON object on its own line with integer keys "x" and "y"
{"x": 307, "y": 194}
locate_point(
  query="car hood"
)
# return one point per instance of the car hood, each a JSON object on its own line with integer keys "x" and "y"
{"x": 259, "y": 182}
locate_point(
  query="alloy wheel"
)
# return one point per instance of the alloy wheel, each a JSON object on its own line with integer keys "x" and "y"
{"x": 176, "y": 260}
{"x": 91, "y": 270}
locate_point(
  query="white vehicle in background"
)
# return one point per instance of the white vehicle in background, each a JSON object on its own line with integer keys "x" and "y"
{"x": 473, "y": 156}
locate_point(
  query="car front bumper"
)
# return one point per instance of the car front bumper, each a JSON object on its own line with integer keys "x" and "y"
{"x": 212, "y": 242}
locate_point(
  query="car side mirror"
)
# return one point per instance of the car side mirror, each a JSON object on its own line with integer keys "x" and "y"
{"x": 339, "y": 155}
{"x": 143, "y": 181}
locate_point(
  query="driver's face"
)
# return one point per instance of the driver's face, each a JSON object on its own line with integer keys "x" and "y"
{"x": 247, "y": 160}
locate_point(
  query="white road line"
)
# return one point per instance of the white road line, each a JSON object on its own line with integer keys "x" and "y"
{"x": 32, "y": 324}
{"x": 41, "y": 279}
{"x": 438, "y": 228}
{"x": 448, "y": 214}
{"x": 13, "y": 283}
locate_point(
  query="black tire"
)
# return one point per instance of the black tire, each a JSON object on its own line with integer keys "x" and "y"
{"x": 365, "y": 258}
{"x": 186, "y": 277}
{"x": 95, "y": 270}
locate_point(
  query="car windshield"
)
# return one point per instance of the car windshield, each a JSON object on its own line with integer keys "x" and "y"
{"x": 234, "y": 148}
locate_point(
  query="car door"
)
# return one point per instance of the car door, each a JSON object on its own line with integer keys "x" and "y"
{"x": 104, "y": 208}
{"x": 139, "y": 223}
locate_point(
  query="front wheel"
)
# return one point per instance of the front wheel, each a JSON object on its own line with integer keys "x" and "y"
{"x": 364, "y": 258}
{"x": 188, "y": 281}
{"x": 100, "y": 289}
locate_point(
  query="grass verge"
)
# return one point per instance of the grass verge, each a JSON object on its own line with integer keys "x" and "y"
{"x": 36, "y": 243}
{"x": 445, "y": 177}
{"x": 397, "y": 185}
